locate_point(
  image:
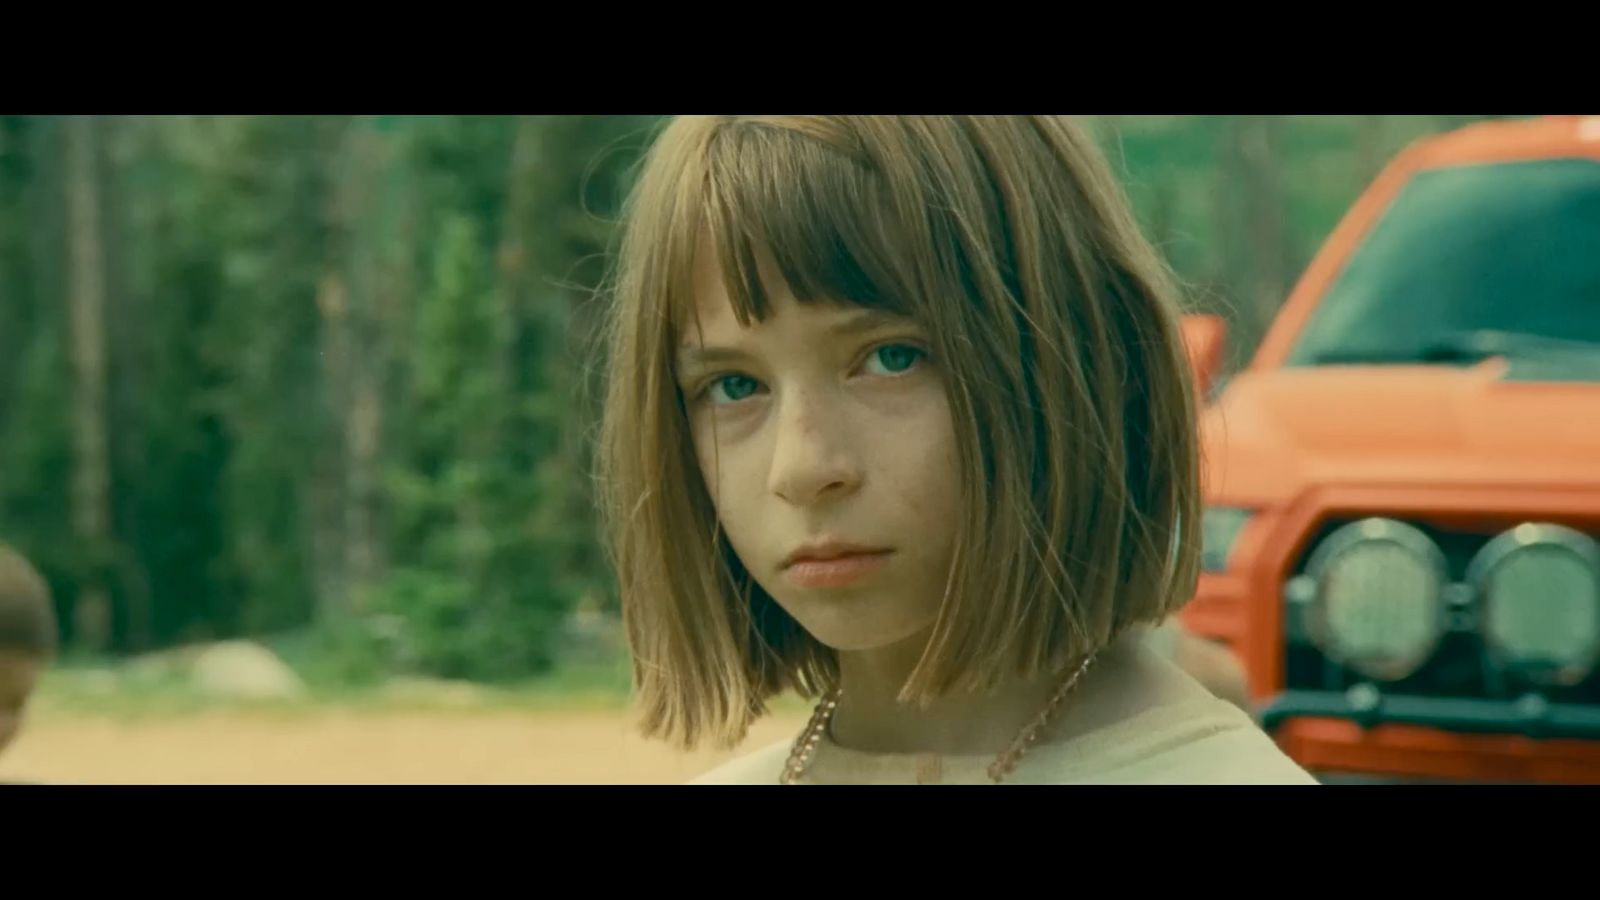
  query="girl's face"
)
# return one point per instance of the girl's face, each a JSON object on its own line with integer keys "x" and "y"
{"x": 825, "y": 438}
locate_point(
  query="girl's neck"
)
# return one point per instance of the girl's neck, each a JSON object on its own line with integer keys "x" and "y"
{"x": 870, "y": 719}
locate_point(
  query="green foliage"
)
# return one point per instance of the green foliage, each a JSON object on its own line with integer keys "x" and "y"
{"x": 476, "y": 601}
{"x": 348, "y": 390}
{"x": 1204, "y": 187}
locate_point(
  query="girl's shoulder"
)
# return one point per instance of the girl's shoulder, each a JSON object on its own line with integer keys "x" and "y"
{"x": 757, "y": 767}
{"x": 1207, "y": 742}
{"x": 1197, "y": 739}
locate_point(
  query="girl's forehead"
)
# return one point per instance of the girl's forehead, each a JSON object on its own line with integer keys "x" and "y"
{"x": 718, "y": 302}
{"x": 713, "y": 315}
{"x": 735, "y": 235}
{"x": 714, "y": 319}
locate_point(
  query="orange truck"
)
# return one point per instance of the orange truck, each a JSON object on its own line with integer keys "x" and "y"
{"x": 1403, "y": 483}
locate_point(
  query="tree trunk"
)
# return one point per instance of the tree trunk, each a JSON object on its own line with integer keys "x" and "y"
{"x": 327, "y": 503}
{"x": 363, "y": 413}
{"x": 1369, "y": 149}
{"x": 1251, "y": 219}
{"x": 14, "y": 325}
{"x": 126, "y": 423}
{"x": 1163, "y": 217}
{"x": 348, "y": 493}
{"x": 1267, "y": 222}
{"x": 327, "y": 477}
{"x": 86, "y": 296}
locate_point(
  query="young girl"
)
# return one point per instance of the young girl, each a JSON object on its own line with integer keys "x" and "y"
{"x": 898, "y": 418}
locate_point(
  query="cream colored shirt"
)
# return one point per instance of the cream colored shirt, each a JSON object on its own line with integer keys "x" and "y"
{"x": 1193, "y": 738}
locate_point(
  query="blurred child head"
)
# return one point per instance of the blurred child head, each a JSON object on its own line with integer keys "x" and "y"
{"x": 27, "y": 637}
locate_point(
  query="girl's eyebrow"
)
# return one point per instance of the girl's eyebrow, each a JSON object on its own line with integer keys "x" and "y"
{"x": 864, "y": 321}
{"x": 691, "y": 356}
{"x": 694, "y": 356}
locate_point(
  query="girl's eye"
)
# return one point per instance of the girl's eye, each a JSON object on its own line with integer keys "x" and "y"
{"x": 731, "y": 388}
{"x": 893, "y": 359}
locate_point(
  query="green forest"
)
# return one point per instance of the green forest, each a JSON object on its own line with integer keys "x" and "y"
{"x": 333, "y": 374}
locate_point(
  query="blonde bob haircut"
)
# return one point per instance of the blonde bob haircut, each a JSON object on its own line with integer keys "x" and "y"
{"x": 1054, "y": 324}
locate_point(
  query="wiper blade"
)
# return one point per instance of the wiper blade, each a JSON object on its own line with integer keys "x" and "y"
{"x": 1405, "y": 356}
{"x": 1465, "y": 347}
{"x": 1483, "y": 343}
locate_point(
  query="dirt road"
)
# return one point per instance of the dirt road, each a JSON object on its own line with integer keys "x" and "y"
{"x": 358, "y": 747}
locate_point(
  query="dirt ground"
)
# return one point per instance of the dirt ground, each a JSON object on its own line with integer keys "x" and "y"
{"x": 359, "y": 747}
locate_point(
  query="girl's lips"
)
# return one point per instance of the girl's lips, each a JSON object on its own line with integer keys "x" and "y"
{"x": 839, "y": 571}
